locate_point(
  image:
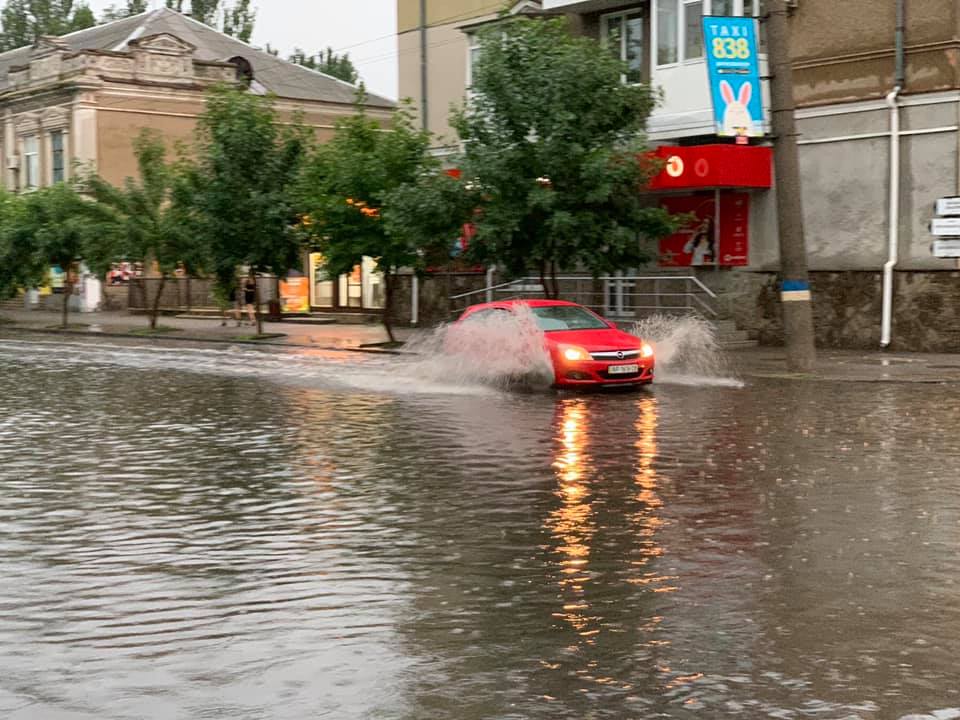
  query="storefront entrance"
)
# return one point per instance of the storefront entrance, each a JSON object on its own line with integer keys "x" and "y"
{"x": 361, "y": 289}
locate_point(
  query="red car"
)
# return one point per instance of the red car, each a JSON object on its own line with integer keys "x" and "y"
{"x": 584, "y": 348}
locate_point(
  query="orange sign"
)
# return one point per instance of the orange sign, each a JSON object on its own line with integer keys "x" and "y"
{"x": 295, "y": 295}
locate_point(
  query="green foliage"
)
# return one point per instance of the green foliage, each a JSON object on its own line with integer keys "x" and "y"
{"x": 23, "y": 21}
{"x": 133, "y": 7}
{"x": 347, "y": 182}
{"x": 241, "y": 185}
{"x": 329, "y": 63}
{"x": 237, "y": 20}
{"x": 55, "y": 226}
{"x": 552, "y": 140}
{"x": 363, "y": 195}
{"x": 150, "y": 219}
{"x": 16, "y": 259}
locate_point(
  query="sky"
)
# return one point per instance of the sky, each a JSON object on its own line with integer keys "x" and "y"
{"x": 366, "y": 29}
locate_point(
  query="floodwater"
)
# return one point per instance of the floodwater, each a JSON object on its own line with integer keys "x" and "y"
{"x": 231, "y": 533}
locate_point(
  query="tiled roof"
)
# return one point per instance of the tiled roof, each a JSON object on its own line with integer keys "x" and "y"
{"x": 282, "y": 78}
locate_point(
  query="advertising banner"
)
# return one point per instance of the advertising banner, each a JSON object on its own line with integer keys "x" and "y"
{"x": 733, "y": 65}
{"x": 698, "y": 243}
{"x": 295, "y": 295}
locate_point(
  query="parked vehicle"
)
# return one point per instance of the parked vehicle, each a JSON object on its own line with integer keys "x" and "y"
{"x": 584, "y": 348}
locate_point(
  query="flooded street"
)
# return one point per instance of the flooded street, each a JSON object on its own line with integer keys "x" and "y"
{"x": 233, "y": 533}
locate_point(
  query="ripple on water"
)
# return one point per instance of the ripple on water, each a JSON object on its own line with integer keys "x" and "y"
{"x": 194, "y": 533}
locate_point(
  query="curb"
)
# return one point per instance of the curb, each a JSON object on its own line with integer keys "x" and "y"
{"x": 187, "y": 338}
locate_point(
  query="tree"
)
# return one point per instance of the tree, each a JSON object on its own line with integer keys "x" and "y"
{"x": 16, "y": 259}
{"x": 133, "y": 7}
{"x": 241, "y": 187}
{"x": 348, "y": 191}
{"x": 55, "y": 226}
{"x": 237, "y": 20}
{"x": 23, "y": 21}
{"x": 149, "y": 218}
{"x": 329, "y": 63}
{"x": 554, "y": 141}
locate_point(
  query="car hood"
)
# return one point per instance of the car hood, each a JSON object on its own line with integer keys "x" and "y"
{"x": 594, "y": 340}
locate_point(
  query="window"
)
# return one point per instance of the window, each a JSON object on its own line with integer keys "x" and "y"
{"x": 692, "y": 32}
{"x": 473, "y": 55}
{"x": 31, "y": 163}
{"x": 668, "y": 18}
{"x": 679, "y": 34}
{"x": 56, "y": 156}
{"x": 552, "y": 318}
{"x": 623, "y": 33}
{"x": 723, "y": 7}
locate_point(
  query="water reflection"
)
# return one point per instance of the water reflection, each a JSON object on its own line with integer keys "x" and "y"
{"x": 249, "y": 537}
{"x": 572, "y": 523}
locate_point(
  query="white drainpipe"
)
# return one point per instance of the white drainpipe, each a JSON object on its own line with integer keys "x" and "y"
{"x": 894, "y": 234}
{"x": 415, "y": 300}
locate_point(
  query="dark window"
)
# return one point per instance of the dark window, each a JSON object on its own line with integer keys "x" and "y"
{"x": 56, "y": 145}
{"x": 566, "y": 317}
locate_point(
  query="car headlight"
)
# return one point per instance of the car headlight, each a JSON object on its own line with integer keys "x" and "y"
{"x": 646, "y": 351}
{"x": 575, "y": 354}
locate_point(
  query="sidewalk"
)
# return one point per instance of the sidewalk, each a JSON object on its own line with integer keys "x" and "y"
{"x": 122, "y": 324}
{"x": 764, "y": 362}
{"x": 874, "y": 366}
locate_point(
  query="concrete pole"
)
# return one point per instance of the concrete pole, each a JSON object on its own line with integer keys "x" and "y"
{"x": 424, "y": 103}
{"x": 795, "y": 287}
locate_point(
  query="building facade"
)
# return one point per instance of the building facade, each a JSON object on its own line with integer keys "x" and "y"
{"x": 78, "y": 102}
{"x": 851, "y": 153}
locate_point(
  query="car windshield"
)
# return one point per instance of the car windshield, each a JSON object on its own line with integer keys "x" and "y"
{"x": 566, "y": 317}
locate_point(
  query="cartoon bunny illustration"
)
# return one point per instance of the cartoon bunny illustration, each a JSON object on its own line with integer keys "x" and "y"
{"x": 736, "y": 115}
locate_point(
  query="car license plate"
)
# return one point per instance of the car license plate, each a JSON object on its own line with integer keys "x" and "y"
{"x": 623, "y": 369}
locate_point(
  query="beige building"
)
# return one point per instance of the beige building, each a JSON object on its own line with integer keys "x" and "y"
{"x": 435, "y": 48}
{"x": 79, "y": 101}
{"x": 879, "y": 144}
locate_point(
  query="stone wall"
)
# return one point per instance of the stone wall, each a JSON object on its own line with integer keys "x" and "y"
{"x": 847, "y": 309}
{"x": 434, "y": 296}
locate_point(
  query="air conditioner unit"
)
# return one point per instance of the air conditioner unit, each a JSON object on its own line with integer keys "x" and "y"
{"x": 13, "y": 162}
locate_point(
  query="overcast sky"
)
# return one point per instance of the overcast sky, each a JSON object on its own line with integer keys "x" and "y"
{"x": 366, "y": 29}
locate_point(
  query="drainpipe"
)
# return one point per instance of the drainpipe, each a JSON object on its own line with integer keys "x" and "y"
{"x": 415, "y": 300}
{"x": 894, "y": 230}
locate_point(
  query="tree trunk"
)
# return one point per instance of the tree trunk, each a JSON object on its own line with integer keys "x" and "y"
{"x": 155, "y": 306}
{"x": 67, "y": 292}
{"x": 555, "y": 291}
{"x": 388, "y": 288}
{"x": 256, "y": 305}
{"x": 543, "y": 279}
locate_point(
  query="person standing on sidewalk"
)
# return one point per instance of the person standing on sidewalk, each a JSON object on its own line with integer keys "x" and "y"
{"x": 250, "y": 297}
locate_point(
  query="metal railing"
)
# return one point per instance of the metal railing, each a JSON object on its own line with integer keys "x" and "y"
{"x": 618, "y": 296}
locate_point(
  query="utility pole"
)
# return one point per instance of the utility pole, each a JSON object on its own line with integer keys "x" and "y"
{"x": 424, "y": 105}
{"x": 795, "y": 282}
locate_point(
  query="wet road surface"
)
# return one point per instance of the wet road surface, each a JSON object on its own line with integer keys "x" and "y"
{"x": 193, "y": 533}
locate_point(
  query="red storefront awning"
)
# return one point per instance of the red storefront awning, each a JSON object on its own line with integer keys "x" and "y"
{"x": 699, "y": 167}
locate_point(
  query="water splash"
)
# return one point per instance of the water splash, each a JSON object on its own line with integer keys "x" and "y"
{"x": 501, "y": 349}
{"x": 687, "y": 350}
